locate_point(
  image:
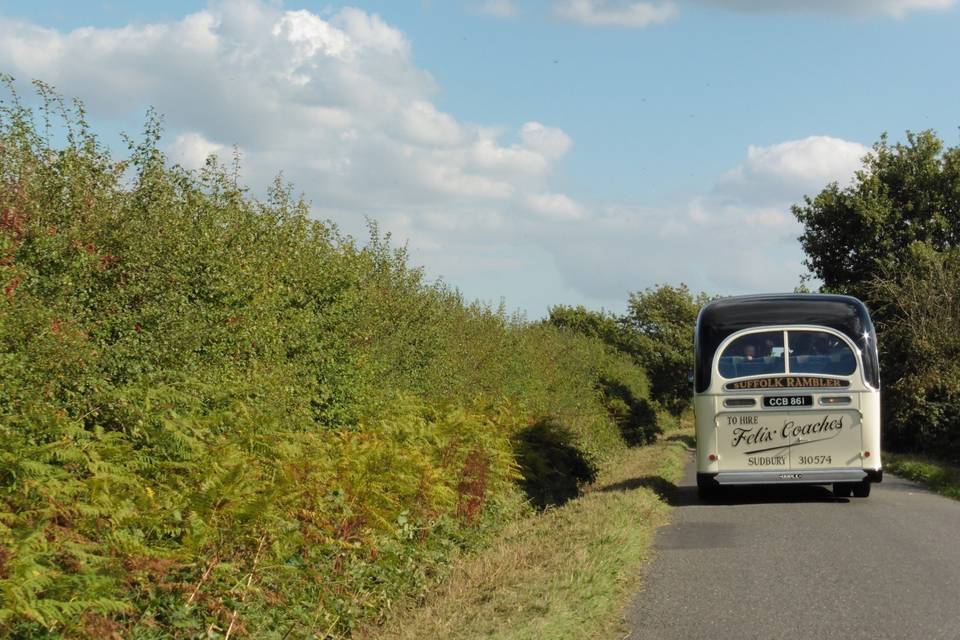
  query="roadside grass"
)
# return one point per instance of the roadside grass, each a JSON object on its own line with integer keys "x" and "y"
{"x": 565, "y": 573}
{"x": 940, "y": 476}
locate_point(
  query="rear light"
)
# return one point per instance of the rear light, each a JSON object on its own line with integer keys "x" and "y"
{"x": 835, "y": 400}
{"x": 866, "y": 454}
{"x": 713, "y": 457}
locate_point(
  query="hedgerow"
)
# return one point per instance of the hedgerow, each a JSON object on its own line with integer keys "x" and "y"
{"x": 219, "y": 416}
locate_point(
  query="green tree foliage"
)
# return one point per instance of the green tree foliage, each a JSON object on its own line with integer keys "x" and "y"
{"x": 891, "y": 238}
{"x": 664, "y": 319}
{"x": 921, "y": 345}
{"x": 220, "y": 417}
{"x": 626, "y": 395}
{"x": 656, "y": 332}
{"x": 597, "y": 324}
{"x": 905, "y": 193}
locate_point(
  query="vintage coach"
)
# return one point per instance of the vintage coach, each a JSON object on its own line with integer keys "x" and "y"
{"x": 787, "y": 391}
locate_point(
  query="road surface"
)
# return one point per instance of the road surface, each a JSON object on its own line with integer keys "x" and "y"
{"x": 798, "y": 563}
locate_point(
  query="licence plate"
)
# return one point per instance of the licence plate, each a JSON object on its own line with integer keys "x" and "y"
{"x": 787, "y": 401}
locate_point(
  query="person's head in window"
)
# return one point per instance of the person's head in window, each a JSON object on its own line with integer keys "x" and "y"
{"x": 767, "y": 348}
{"x": 749, "y": 351}
{"x": 820, "y": 346}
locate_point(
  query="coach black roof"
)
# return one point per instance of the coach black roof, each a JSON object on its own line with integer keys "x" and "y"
{"x": 721, "y": 318}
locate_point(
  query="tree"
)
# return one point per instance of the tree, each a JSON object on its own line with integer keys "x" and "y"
{"x": 597, "y": 324}
{"x": 664, "y": 318}
{"x": 892, "y": 238}
{"x": 656, "y": 331}
{"x": 904, "y": 193}
{"x": 921, "y": 352}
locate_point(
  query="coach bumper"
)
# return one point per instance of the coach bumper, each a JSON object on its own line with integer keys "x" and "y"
{"x": 805, "y": 476}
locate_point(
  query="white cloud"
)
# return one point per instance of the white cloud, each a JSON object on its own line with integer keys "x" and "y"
{"x": 629, "y": 13}
{"x": 895, "y": 8}
{"x": 552, "y": 143}
{"x": 191, "y": 150}
{"x": 498, "y": 8}
{"x": 614, "y": 13}
{"x": 555, "y": 206}
{"x": 334, "y": 100}
{"x": 738, "y": 237}
{"x": 311, "y": 36}
{"x": 790, "y": 167}
{"x": 423, "y": 123}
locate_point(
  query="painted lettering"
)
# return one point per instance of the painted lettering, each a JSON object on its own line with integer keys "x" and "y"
{"x": 789, "y": 382}
{"x": 751, "y": 436}
{"x": 791, "y": 429}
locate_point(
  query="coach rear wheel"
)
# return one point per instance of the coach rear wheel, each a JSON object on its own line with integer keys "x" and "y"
{"x": 707, "y": 489}
{"x": 842, "y": 489}
{"x": 861, "y": 489}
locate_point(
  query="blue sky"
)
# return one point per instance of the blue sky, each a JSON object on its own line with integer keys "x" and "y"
{"x": 551, "y": 151}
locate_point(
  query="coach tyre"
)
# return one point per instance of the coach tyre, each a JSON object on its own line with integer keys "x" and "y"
{"x": 707, "y": 488}
{"x": 861, "y": 489}
{"x": 842, "y": 489}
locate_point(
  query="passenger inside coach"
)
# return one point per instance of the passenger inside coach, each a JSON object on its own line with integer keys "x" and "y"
{"x": 754, "y": 354}
{"x": 820, "y": 353}
{"x": 767, "y": 348}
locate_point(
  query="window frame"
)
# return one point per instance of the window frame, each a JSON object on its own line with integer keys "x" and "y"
{"x": 786, "y": 329}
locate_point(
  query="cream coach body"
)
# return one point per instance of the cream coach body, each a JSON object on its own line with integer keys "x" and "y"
{"x": 787, "y": 391}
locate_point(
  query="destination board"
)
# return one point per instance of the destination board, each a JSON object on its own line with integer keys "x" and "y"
{"x": 788, "y": 382}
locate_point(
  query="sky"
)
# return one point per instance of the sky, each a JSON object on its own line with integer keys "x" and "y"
{"x": 535, "y": 152}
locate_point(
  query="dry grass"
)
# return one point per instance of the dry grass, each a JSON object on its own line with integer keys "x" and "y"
{"x": 566, "y": 573}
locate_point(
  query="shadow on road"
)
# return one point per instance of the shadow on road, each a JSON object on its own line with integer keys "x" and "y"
{"x": 686, "y": 495}
{"x": 766, "y": 494}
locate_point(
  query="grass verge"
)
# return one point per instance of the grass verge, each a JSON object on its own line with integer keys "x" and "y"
{"x": 564, "y": 573}
{"x": 941, "y": 477}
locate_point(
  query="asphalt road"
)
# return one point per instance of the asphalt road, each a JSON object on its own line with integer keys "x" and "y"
{"x": 798, "y": 563}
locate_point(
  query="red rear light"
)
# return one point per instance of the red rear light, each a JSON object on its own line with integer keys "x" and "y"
{"x": 712, "y": 457}
{"x": 866, "y": 454}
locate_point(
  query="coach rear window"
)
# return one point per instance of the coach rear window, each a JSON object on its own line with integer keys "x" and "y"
{"x": 820, "y": 352}
{"x": 752, "y": 355}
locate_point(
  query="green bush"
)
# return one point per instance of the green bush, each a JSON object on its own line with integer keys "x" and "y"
{"x": 920, "y": 352}
{"x": 221, "y": 417}
{"x": 656, "y": 332}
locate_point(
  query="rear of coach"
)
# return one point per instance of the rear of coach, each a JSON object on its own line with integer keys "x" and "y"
{"x": 787, "y": 391}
